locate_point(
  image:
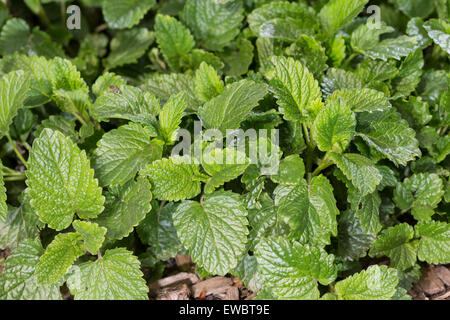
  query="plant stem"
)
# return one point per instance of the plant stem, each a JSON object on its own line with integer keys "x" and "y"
{"x": 17, "y": 178}
{"x": 350, "y": 59}
{"x": 324, "y": 163}
{"x": 16, "y": 150}
{"x": 43, "y": 16}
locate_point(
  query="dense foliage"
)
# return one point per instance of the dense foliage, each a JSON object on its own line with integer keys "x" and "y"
{"x": 91, "y": 192}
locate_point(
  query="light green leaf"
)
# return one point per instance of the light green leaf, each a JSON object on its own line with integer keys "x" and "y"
{"x": 409, "y": 74}
{"x": 214, "y": 23}
{"x": 420, "y": 193}
{"x": 170, "y": 117}
{"x": 61, "y": 181}
{"x": 291, "y": 171}
{"x": 414, "y": 8}
{"x": 337, "y": 79}
{"x": 214, "y": 231}
{"x": 125, "y": 207}
{"x": 374, "y": 283}
{"x": 334, "y": 127}
{"x": 157, "y": 230}
{"x": 58, "y": 257}
{"x": 310, "y": 210}
{"x": 395, "y": 242}
{"x": 247, "y": 271}
{"x": 232, "y": 106}
{"x": 105, "y": 82}
{"x": 377, "y": 70}
{"x": 336, "y": 14}
{"x": 416, "y": 29}
{"x": 124, "y": 151}
{"x": 292, "y": 270}
{"x": 58, "y": 123}
{"x": 366, "y": 209}
{"x": 93, "y": 235}
{"x": 13, "y": 91}
{"x": 360, "y": 170}
{"x": 128, "y": 46}
{"x": 237, "y": 57}
{"x": 174, "y": 39}
{"x": 439, "y": 31}
{"x": 310, "y": 53}
{"x": 174, "y": 179}
{"x": 197, "y": 56}
{"x": 361, "y": 100}
{"x": 434, "y": 244}
{"x": 122, "y": 14}
{"x": 223, "y": 165}
{"x": 18, "y": 279}
{"x": 207, "y": 82}
{"x": 115, "y": 276}
{"x": 298, "y": 94}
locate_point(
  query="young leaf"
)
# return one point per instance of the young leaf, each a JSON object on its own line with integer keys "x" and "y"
{"x": 60, "y": 254}
{"x": 334, "y": 127}
{"x": 125, "y": 207}
{"x": 207, "y": 82}
{"x": 395, "y": 242}
{"x": 93, "y": 235}
{"x": 434, "y": 244}
{"x": 292, "y": 270}
{"x": 115, "y": 276}
{"x": 291, "y": 171}
{"x": 374, "y": 283}
{"x": 174, "y": 40}
{"x": 366, "y": 209}
{"x": 13, "y": 91}
{"x": 122, "y": 152}
{"x": 336, "y": 14}
{"x": 61, "y": 181}
{"x": 232, "y": 106}
{"x": 58, "y": 123}
{"x": 298, "y": 94}
{"x": 174, "y": 179}
{"x": 310, "y": 53}
{"x": 361, "y": 100}
{"x": 170, "y": 117}
{"x": 18, "y": 279}
{"x": 439, "y": 31}
{"x": 122, "y": 14}
{"x": 214, "y": 231}
{"x": 409, "y": 75}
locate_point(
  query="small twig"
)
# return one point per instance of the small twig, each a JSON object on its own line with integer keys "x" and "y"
{"x": 16, "y": 150}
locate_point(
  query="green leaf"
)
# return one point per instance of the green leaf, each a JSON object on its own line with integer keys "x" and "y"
{"x": 247, "y": 271}
{"x": 377, "y": 70}
{"x": 374, "y": 283}
{"x": 174, "y": 39}
{"x": 13, "y": 91}
{"x": 18, "y": 279}
{"x": 128, "y": 46}
{"x": 61, "y": 181}
{"x": 416, "y": 29}
{"x": 337, "y": 79}
{"x": 238, "y": 57}
{"x": 389, "y": 134}
{"x": 360, "y": 170}
{"x": 434, "y": 244}
{"x": 105, "y": 82}
{"x": 58, "y": 257}
{"x": 334, "y": 127}
{"x": 223, "y": 165}
{"x": 283, "y": 20}
{"x": 170, "y": 117}
{"x": 409, "y": 74}
{"x": 292, "y": 270}
{"x": 214, "y": 231}
{"x": 122, "y": 14}
{"x": 122, "y": 152}
{"x": 365, "y": 40}
{"x": 414, "y": 8}
{"x": 115, "y": 276}
{"x": 93, "y": 235}
{"x": 366, "y": 209}
{"x": 336, "y": 14}
{"x": 395, "y": 242}
{"x": 439, "y": 31}
{"x": 232, "y": 106}
{"x": 291, "y": 171}
{"x": 310, "y": 53}
{"x": 214, "y": 23}
{"x": 174, "y": 179}
{"x": 58, "y": 123}
{"x": 197, "y": 56}
{"x": 125, "y": 207}
{"x": 157, "y": 230}
{"x": 298, "y": 94}
{"x": 420, "y": 193}
{"x": 309, "y": 209}
{"x": 361, "y": 100}
{"x": 207, "y": 82}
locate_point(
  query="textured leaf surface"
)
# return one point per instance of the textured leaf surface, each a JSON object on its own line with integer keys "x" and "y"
{"x": 207, "y": 82}
{"x": 298, "y": 94}
{"x": 439, "y": 31}
{"x": 115, "y": 276}
{"x": 61, "y": 181}
{"x": 124, "y": 151}
{"x": 125, "y": 207}
{"x": 361, "y": 100}
{"x": 170, "y": 117}
{"x": 174, "y": 179}
{"x": 60, "y": 254}
{"x": 292, "y": 270}
{"x": 93, "y": 235}
{"x": 214, "y": 232}
{"x": 434, "y": 244}
{"x": 395, "y": 242}
{"x": 375, "y": 283}
{"x": 121, "y": 14}
{"x": 337, "y": 13}
{"x": 232, "y": 106}
{"x": 366, "y": 209}
{"x": 18, "y": 279}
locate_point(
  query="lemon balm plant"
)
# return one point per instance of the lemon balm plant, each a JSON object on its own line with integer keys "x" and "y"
{"x": 103, "y": 173}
